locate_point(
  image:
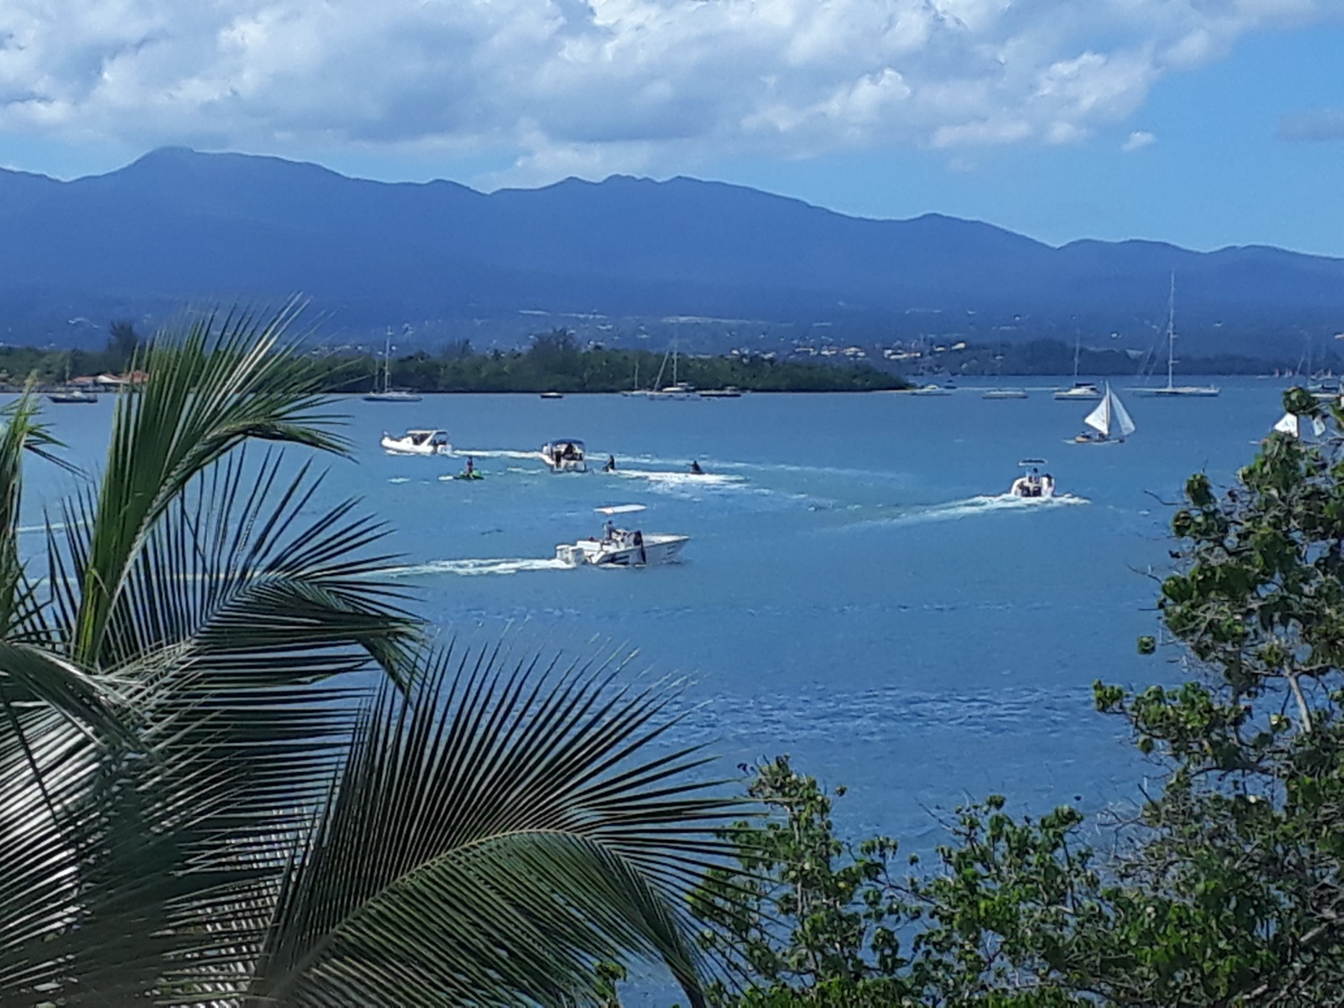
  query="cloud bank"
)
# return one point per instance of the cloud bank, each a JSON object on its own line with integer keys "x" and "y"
{"x": 574, "y": 87}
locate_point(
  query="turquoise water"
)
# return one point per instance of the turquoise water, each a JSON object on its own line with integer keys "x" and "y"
{"x": 853, "y": 594}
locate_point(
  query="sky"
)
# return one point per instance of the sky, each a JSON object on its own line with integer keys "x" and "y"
{"x": 1204, "y": 123}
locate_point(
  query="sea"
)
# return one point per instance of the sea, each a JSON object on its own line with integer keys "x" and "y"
{"x": 858, "y": 591}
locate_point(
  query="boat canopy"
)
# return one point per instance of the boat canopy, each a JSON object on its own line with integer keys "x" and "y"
{"x": 1032, "y": 462}
{"x": 616, "y": 509}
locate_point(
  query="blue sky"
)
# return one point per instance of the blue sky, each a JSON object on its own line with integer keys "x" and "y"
{"x": 1200, "y": 122}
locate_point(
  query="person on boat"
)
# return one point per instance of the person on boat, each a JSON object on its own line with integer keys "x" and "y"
{"x": 696, "y": 470}
{"x": 609, "y": 530}
{"x": 610, "y": 464}
{"x": 569, "y": 452}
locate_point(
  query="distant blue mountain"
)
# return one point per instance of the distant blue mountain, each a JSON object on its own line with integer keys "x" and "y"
{"x": 439, "y": 261}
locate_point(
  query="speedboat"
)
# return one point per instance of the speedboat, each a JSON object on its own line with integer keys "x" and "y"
{"x": 930, "y": 390}
{"x": 564, "y": 455}
{"x": 73, "y": 396}
{"x": 620, "y": 547}
{"x": 1033, "y": 484}
{"x": 626, "y": 549}
{"x": 1079, "y": 392}
{"x": 418, "y": 442}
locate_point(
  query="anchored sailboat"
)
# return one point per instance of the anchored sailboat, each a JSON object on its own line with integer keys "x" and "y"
{"x": 1169, "y": 389}
{"x": 1110, "y": 421}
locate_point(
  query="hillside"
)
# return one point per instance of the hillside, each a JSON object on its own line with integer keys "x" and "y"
{"x": 613, "y": 260}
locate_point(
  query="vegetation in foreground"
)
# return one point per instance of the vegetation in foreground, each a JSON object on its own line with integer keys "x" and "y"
{"x": 1226, "y": 887}
{"x": 236, "y": 773}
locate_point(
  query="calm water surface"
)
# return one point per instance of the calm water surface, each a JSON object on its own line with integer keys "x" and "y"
{"x": 852, "y": 594}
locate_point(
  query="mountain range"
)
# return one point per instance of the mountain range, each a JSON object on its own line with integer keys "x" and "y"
{"x": 706, "y": 263}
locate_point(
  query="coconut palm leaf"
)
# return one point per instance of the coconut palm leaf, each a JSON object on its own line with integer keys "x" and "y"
{"x": 497, "y": 830}
{"x": 226, "y": 381}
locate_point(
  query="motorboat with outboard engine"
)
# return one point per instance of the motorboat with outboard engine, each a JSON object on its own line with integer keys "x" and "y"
{"x": 620, "y": 547}
{"x": 417, "y": 442}
{"x": 1033, "y": 484}
{"x": 564, "y": 455}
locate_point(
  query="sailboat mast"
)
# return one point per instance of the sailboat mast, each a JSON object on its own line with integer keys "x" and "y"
{"x": 1171, "y": 328}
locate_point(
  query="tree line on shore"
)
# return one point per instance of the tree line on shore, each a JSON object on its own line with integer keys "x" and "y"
{"x": 239, "y": 771}
{"x": 553, "y": 362}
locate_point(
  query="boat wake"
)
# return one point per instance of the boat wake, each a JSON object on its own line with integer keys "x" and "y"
{"x": 981, "y": 505}
{"x": 673, "y": 481}
{"x": 495, "y": 453}
{"x": 474, "y": 568}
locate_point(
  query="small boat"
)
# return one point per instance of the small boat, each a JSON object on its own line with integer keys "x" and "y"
{"x": 1110, "y": 421}
{"x": 1033, "y": 485}
{"x": 552, "y": 395}
{"x": 73, "y": 396}
{"x": 474, "y": 474}
{"x": 930, "y": 390}
{"x": 1169, "y": 390}
{"x": 1079, "y": 392}
{"x": 387, "y": 393}
{"x": 1303, "y": 428}
{"x": 677, "y": 390}
{"x": 417, "y": 442}
{"x": 564, "y": 455}
{"x": 1005, "y": 393}
{"x": 620, "y": 547}
{"x": 728, "y": 392}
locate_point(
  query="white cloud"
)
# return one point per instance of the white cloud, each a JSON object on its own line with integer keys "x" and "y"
{"x": 592, "y": 86}
{"x": 1138, "y": 140}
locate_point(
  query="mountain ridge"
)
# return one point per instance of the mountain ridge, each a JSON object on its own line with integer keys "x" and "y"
{"x": 439, "y": 261}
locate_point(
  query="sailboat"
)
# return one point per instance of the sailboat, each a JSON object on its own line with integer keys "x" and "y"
{"x": 1080, "y": 391}
{"x": 1110, "y": 421}
{"x": 678, "y": 389}
{"x": 387, "y": 393}
{"x": 1170, "y": 390}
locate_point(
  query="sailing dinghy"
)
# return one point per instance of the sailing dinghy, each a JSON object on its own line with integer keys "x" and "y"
{"x": 1110, "y": 422}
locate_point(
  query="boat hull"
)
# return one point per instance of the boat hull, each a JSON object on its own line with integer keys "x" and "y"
{"x": 1179, "y": 392}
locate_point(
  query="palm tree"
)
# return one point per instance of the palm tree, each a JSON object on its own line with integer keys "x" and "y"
{"x": 234, "y": 773}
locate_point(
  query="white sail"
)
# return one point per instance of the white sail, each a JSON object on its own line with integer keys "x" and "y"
{"x": 1100, "y": 417}
{"x": 1110, "y": 418}
{"x": 1120, "y": 416}
{"x": 1290, "y": 423}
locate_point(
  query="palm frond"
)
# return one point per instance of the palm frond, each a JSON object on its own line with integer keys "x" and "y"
{"x": 497, "y": 831}
{"x": 226, "y": 381}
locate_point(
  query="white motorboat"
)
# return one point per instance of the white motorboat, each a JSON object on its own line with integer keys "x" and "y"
{"x": 1034, "y": 484}
{"x": 1169, "y": 390}
{"x": 930, "y": 390}
{"x": 620, "y": 547}
{"x": 417, "y": 442}
{"x": 1079, "y": 392}
{"x": 564, "y": 455}
{"x": 1110, "y": 421}
{"x": 73, "y": 396}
